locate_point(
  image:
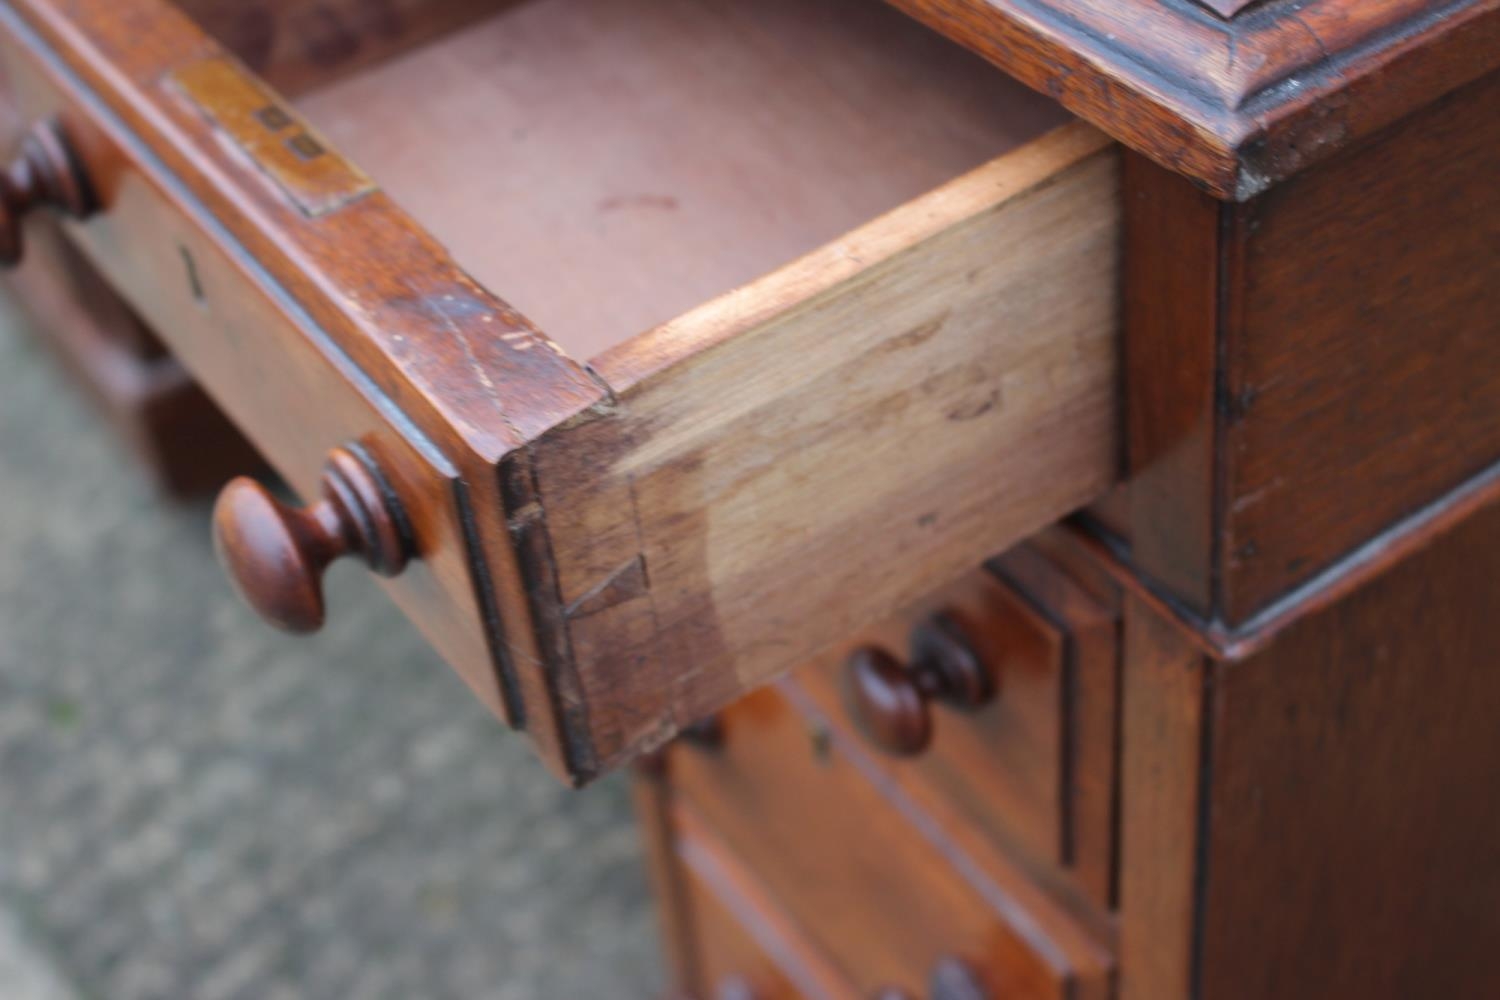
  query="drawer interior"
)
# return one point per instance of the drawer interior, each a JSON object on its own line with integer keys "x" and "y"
{"x": 827, "y": 270}
{"x": 922, "y": 365}
{"x": 606, "y": 165}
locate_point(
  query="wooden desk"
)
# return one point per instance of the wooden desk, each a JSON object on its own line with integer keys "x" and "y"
{"x": 824, "y": 311}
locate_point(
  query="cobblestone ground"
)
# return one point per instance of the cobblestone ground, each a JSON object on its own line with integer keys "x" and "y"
{"x": 194, "y": 807}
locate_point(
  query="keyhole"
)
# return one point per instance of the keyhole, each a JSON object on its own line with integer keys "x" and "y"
{"x": 194, "y": 284}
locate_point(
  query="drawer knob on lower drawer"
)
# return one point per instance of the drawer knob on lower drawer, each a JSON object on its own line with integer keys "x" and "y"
{"x": 43, "y": 171}
{"x": 276, "y": 554}
{"x": 892, "y": 703}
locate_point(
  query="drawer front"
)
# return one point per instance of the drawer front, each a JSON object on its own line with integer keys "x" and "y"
{"x": 301, "y": 351}
{"x": 1001, "y": 760}
{"x": 159, "y": 412}
{"x": 744, "y": 947}
{"x": 873, "y": 881}
{"x": 603, "y": 554}
{"x": 1033, "y": 766}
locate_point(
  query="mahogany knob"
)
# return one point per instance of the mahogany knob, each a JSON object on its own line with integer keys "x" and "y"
{"x": 43, "y": 171}
{"x": 276, "y": 555}
{"x": 892, "y": 703}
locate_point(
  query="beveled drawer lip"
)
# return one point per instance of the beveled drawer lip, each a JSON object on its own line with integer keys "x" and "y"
{"x": 589, "y": 489}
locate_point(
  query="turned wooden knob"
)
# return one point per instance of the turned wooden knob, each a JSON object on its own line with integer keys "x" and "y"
{"x": 43, "y": 172}
{"x": 276, "y": 554}
{"x": 892, "y": 702}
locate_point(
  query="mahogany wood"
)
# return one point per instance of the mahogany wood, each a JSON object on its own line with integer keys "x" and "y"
{"x": 652, "y": 799}
{"x": 1363, "y": 352}
{"x": 749, "y": 947}
{"x": 1310, "y": 370}
{"x": 232, "y": 276}
{"x": 891, "y": 702}
{"x": 1352, "y": 847}
{"x": 1238, "y": 102}
{"x": 1171, "y": 308}
{"x": 797, "y": 801}
{"x": 1031, "y": 771}
{"x": 186, "y": 442}
{"x": 1053, "y": 574}
{"x": 560, "y": 514}
{"x": 1281, "y": 790}
{"x": 276, "y": 555}
{"x": 1163, "y": 715}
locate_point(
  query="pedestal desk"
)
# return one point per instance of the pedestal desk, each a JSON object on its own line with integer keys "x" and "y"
{"x": 1016, "y": 479}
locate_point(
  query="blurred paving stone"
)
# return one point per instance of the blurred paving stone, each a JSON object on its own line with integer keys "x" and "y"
{"x": 194, "y": 806}
{"x": 25, "y": 973}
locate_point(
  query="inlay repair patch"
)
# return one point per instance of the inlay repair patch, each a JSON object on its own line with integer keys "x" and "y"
{"x": 258, "y": 123}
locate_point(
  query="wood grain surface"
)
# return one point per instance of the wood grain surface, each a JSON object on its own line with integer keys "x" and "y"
{"x": 791, "y": 794}
{"x": 1001, "y": 764}
{"x": 1363, "y": 352}
{"x": 1165, "y": 690}
{"x": 602, "y": 553}
{"x": 1353, "y": 847}
{"x": 768, "y": 458}
{"x": 1236, "y": 104}
{"x": 748, "y": 946}
{"x": 166, "y": 418}
{"x": 306, "y": 345}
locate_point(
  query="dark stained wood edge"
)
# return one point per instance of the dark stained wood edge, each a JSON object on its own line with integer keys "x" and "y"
{"x": 1333, "y": 584}
{"x": 450, "y": 368}
{"x": 452, "y": 355}
{"x": 1236, "y": 105}
{"x": 537, "y": 570}
{"x": 1360, "y": 366}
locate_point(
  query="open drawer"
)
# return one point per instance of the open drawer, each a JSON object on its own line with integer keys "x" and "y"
{"x": 825, "y": 310}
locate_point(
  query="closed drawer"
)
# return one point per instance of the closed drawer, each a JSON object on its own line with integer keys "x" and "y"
{"x": 888, "y": 891}
{"x": 744, "y": 947}
{"x": 822, "y": 306}
{"x": 1031, "y": 763}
